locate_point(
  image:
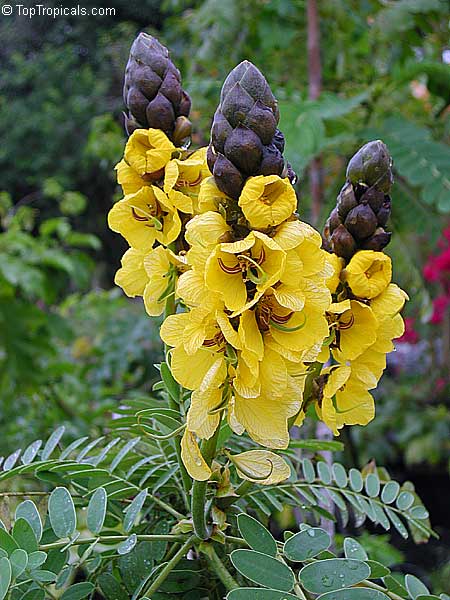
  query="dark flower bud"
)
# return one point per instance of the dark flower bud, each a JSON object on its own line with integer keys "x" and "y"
{"x": 171, "y": 88}
{"x": 137, "y": 104}
{"x": 211, "y": 157}
{"x": 220, "y": 131}
{"x": 372, "y": 165}
{"x": 278, "y": 140}
{"x": 228, "y": 179}
{"x": 272, "y": 161}
{"x": 130, "y": 124}
{"x": 361, "y": 221}
{"x": 182, "y": 130}
{"x": 334, "y": 220}
{"x": 379, "y": 240}
{"x": 160, "y": 114}
{"x": 152, "y": 87}
{"x": 346, "y": 200}
{"x": 342, "y": 242}
{"x": 243, "y": 147}
{"x": 384, "y": 213}
{"x": 289, "y": 172}
{"x": 145, "y": 79}
{"x": 236, "y": 105}
{"x": 185, "y": 104}
{"x": 374, "y": 198}
{"x": 261, "y": 120}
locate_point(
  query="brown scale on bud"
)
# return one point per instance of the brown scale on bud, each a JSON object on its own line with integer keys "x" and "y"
{"x": 153, "y": 92}
{"x": 245, "y": 140}
{"x": 363, "y": 205}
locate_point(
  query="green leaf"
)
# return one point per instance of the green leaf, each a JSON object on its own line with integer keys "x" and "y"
{"x": 77, "y": 591}
{"x": 317, "y": 445}
{"x": 127, "y": 545}
{"x": 356, "y": 480}
{"x": 372, "y": 485}
{"x": 339, "y": 475}
{"x": 5, "y": 576}
{"x": 259, "y": 594}
{"x": 63, "y": 576}
{"x": 419, "y": 512}
{"x": 7, "y": 542}
{"x": 34, "y": 594}
{"x": 415, "y": 587}
{"x": 359, "y": 593}
{"x": 36, "y": 559}
{"x": 96, "y": 510}
{"x": 263, "y": 569}
{"x": 111, "y": 588}
{"x": 61, "y": 512}
{"x": 19, "y": 560}
{"x": 256, "y": 535}
{"x": 24, "y": 535}
{"x": 123, "y": 452}
{"x": 377, "y": 570}
{"x": 52, "y": 442}
{"x": 390, "y": 492}
{"x": 133, "y": 510}
{"x": 396, "y": 522}
{"x": 27, "y": 510}
{"x": 306, "y": 544}
{"x": 30, "y": 453}
{"x": 308, "y": 470}
{"x": 171, "y": 385}
{"x": 43, "y": 576}
{"x": 324, "y": 472}
{"x": 353, "y": 549}
{"x": 323, "y": 576}
{"x": 405, "y": 500}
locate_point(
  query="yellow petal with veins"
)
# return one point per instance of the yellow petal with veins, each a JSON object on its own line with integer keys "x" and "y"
{"x": 261, "y": 466}
{"x": 192, "y": 458}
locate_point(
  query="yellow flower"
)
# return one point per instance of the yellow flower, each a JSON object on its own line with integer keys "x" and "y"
{"x": 261, "y": 466}
{"x": 192, "y": 458}
{"x": 337, "y": 264}
{"x": 145, "y": 217}
{"x": 368, "y": 273}
{"x": 345, "y": 400}
{"x": 132, "y": 276}
{"x": 254, "y": 263}
{"x": 148, "y": 151}
{"x": 149, "y": 274}
{"x": 210, "y": 197}
{"x": 267, "y": 200}
{"x": 355, "y": 326}
{"x": 197, "y": 343}
{"x": 182, "y": 179}
{"x": 129, "y": 179}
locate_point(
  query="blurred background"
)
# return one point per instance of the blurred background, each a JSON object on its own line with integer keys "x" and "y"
{"x": 72, "y": 347}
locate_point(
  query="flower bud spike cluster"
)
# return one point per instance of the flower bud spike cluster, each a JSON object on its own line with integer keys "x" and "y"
{"x": 255, "y": 290}
{"x": 245, "y": 140}
{"x": 153, "y": 93}
{"x": 363, "y": 206}
{"x": 364, "y": 316}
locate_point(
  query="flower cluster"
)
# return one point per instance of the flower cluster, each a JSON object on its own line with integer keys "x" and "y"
{"x": 160, "y": 184}
{"x": 364, "y": 319}
{"x": 263, "y": 321}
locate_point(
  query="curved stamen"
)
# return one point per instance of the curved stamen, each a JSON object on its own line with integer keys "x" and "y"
{"x": 282, "y": 319}
{"x": 262, "y": 256}
{"x": 138, "y": 217}
{"x": 287, "y": 329}
{"x": 229, "y": 270}
{"x": 263, "y": 275}
{"x": 186, "y": 183}
{"x": 348, "y": 324}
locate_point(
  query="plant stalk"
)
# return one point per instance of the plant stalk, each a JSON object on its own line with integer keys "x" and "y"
{"x": 113, "y": 538}
{"x": 165, "y": 572}
{"x": 199, "y": 513}
{"x": 218, "y": 567}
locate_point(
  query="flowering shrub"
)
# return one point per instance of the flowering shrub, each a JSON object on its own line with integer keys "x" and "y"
{"x": 266, "y": 324}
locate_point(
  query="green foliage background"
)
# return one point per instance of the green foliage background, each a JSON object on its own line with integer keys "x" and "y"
{"x": 71, "y": 349}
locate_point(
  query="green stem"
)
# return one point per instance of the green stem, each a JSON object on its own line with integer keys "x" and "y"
{"x": 298, "y": 591}
{"x": 208, "y": 449}
{"x": 113, "y": 538}
{"x": 241, "y": 490}
{"x": 218, "y": 567}
{"x": 165, "y": 572}
{"x": 375, "y": 586}
{"x": 315, "y": 371}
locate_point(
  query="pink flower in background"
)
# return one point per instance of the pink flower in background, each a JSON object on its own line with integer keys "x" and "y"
{"x": 440, "y": 306}
{"x": 437, "y": 270}
{"x": 410, "y": 336}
